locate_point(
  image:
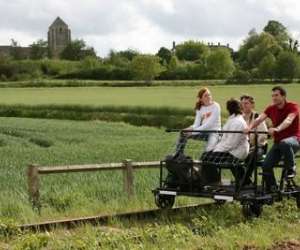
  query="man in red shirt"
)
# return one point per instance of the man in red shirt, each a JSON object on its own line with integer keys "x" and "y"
{"x": 286, "y": 133}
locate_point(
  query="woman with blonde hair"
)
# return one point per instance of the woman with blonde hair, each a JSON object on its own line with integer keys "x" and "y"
{"x": 208, "y": 117}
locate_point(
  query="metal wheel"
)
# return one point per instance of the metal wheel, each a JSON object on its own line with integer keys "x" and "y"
{"x": 164, "y": 201}
{"x": 220, "y": 202}
{"x": 252, "y": 210}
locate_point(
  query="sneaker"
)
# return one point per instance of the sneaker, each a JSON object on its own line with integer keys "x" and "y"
{"x": 291, "y": 172}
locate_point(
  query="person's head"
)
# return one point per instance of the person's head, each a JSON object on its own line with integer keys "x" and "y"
{"x": 278, "y": 95}
{"x": 204, "y": 98}
{"x": 247, "y": 103}
{"x": 233, "y": 107}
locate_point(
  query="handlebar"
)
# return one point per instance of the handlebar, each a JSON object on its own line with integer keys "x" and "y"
{"x": 215, "y": 131}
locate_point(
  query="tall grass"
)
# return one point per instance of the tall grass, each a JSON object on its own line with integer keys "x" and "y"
{"x": 47, "y": 142}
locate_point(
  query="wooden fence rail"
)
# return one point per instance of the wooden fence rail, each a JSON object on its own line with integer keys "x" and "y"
{"x": 127, "y": 166}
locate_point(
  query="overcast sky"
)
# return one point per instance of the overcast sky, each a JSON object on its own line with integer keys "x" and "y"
{"x": 145, "y": 25}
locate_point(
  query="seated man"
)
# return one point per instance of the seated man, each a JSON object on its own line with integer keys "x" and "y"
{"x": 249, "y": 114}
{"x": 232, "y": 148}
{"x": 286, "y": 132}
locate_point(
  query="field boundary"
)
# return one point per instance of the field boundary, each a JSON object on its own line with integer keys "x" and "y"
{"x": 57, "y": 83}
{"x": 134, "y": 115}
{"x": 127, "y": 166}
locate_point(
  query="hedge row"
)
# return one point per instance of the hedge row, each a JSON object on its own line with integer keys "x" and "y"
{"x": 138, "y": 116}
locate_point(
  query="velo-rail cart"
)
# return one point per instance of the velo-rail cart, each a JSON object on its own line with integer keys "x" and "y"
{"x": 251, "y": 197}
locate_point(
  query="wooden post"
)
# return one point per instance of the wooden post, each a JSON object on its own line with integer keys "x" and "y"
{"x": 128, "y": 178}
{"x": 33, "y": 185}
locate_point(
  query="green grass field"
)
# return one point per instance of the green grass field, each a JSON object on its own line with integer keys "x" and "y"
{"x": 62, "y": 142}
{"x": 181, "y": 97}
{"x": 51, "y": 142}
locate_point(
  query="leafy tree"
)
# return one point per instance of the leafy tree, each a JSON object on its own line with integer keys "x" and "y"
{"x": 288, "y": 66}
{"x": 192, "y": 51}
{"x": 173, "y": 63}
{"x": 266, "y": 67}
{"x": 129, "y": 54}
{"x": 293, "y": 45}
{"x": 279, "y": 32}
{"x": 116, "y": 59}
{"x": 255, "y": 48}
{"x": 220, "y": 64}
{"x": 146, "y": 67}
{"x": 247, "y": 44}
{"x": 16, "y": 50}
{"x": 77, "y": 50}
{"x": 90, "y": 63}
{"x": 165, "y": 55}
{"x": 39, "y": 50}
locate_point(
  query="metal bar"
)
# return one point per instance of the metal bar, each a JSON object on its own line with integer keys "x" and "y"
{"x": 216, "y": 131}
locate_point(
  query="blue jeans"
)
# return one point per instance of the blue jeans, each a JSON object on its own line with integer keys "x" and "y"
{"x": 183, "y": 138}
{"x": 284, "y": 150}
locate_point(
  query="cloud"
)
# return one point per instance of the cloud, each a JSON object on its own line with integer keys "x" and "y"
{"x": 145, "y": 25}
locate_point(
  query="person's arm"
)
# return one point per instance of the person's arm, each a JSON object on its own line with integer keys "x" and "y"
{"x": 197, "y": 121}
{"x": 262, "y": 138}
{"x": 258, "y": 121}
{"x": 233, "y": 140}
{"x": 284, "y": 125}
{"x": 212, "y": 120}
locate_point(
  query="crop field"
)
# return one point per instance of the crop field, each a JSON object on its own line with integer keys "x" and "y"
{"x": 179, "y": 97}
{"x": 48, "y": 142}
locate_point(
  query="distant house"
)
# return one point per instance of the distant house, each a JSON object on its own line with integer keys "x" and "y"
{"x": 210, "y": 45}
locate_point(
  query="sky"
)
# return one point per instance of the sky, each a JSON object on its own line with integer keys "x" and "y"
{"x": 145, "y": 25}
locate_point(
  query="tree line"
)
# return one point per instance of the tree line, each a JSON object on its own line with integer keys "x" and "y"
{"x": 271, "y": 55}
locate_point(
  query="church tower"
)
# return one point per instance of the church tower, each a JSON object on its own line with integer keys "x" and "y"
{"x": 59, "y": 36}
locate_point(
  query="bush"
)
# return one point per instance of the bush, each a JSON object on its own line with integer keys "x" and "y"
{"x": 240, "y": 76}
{"x": 58, "y": 67}
{"x": 104, "y": 72}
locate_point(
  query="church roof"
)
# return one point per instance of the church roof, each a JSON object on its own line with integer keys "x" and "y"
{"x": 58, "y": 22}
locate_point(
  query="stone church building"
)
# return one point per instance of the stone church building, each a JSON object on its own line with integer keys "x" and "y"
{"x": 59, "y": 36}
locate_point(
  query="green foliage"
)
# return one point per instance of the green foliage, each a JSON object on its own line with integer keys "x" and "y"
{"x": 165, "y": 55}
{"x": 16, "y": 50}
{"x": 192, "y": 51}
{"x": 173, "y": 63}
{"x": 288, "y": 66}
{"x": 8, "y": 228}
{"x": 33, "y": 242}
{"x": 90, "y": 63}
{"x": 39, "y": 50}
{"x": 121, "y": 58}
{"x": 256, "y": 47}
{"x": 267, "y": 66}
{"x": 139, "y": 116}
{"x": 146, "y": 67}
{"x": 220, "y": 64}
{"x": 279, "y": 32}
{"x": 256, "y": 60}
{"x": 77, "y": 50}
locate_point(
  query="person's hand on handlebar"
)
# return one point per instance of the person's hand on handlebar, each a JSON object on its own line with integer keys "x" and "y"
{"x": 247, "y": 130}
{"x": 188, "y": 133}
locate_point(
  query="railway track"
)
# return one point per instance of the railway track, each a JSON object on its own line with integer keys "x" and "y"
{"x": 104, "y": 219}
